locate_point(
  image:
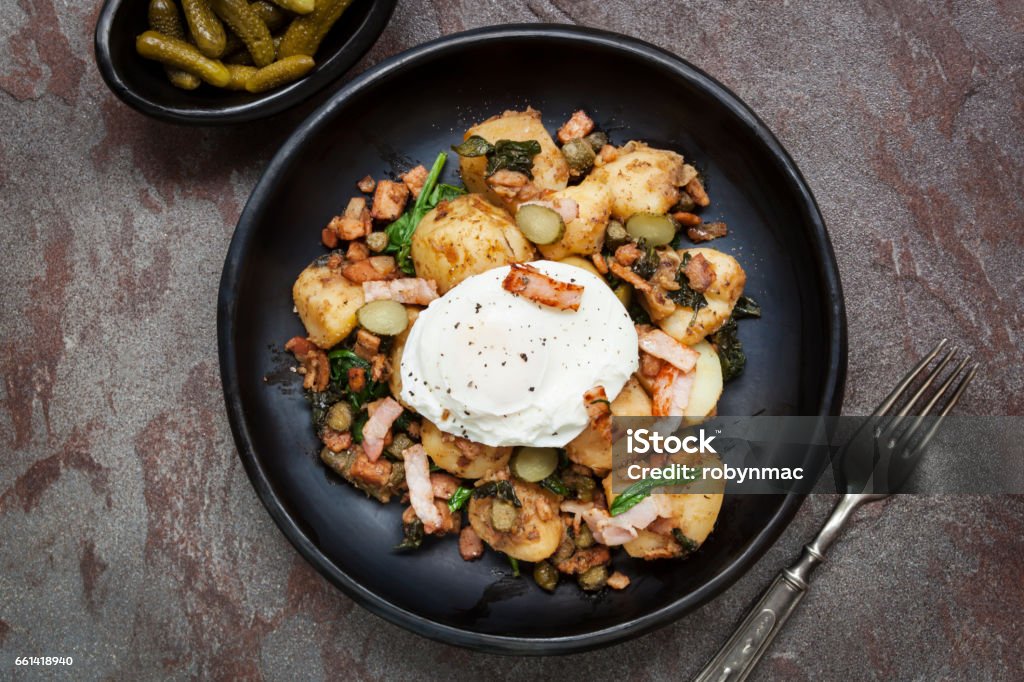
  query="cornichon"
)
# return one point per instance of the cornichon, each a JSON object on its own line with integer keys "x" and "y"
{"x": 297, "y": 6}
{"x": 272, "y": 15}
{"x": 205, "y": 28}
{"x": 280, "y": 72}
{"x": 164, "y": 18}
{"x": 181, "y": 55}
{"x": 248, "y": 26}
{"x": 305, "y": 33}
{"x": 240, "y": 75}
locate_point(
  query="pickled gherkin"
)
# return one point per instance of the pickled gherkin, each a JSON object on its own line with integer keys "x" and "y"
{"x": 240, "y": 75}
{"x": 164, "y": 18}
{"x": 298, "y": 6}
{"x": 181, "y": 55}
{"x": 305, "y": 33}
{"x": 205, "y": 28}
{"x": 280, "y": 72}
{"x": 248, "y": 26}
{"x": 272, "y": 15}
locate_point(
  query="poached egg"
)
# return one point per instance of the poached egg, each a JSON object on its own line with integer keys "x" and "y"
{"x": 501, "y": 370}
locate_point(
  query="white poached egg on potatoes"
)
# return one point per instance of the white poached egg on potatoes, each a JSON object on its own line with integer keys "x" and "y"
{"x": 502, "y": 370}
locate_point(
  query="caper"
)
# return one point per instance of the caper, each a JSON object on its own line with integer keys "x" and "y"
{"x": 339, "y": 417}
{"x": 546, "y": 576}
{"x": 503, "y": 515}
{"x": 584, "y": 538}
{"x": 594, "y": 579}
{"x": 566, "y": 548}
{"x": 596, "y": 140}
{"x": 399, "y": 444}
{"x": 580, "y": 157}
{"x": 615, "y": 234}
{"x": 377, "y": 241}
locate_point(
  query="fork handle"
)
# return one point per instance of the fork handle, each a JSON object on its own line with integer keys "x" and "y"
{"x": 737, "y": 659}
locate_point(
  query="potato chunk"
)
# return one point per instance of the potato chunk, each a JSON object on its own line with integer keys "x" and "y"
{"x": 461, "y": 457}
{"x": 536, "y": 529}
{"x": 463, "y": 237}
{"x": 589, "y": 448}
{"x": 327, "y": 303}
{"x": 585, "y": 234}
{"x": 550, "y": 169}
{"x": 644, "y": 180}
{"x": 395, "y": 379}
{"x": 721, "y": 296}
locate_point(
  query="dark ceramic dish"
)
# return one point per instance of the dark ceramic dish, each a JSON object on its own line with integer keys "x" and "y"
{"x": 142, "y": 84}
{"x": 406, "y": 110}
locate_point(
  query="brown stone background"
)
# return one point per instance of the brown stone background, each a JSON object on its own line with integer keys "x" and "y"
{"x": 131, "y": 539}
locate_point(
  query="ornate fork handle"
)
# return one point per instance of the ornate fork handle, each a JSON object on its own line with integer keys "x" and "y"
{"x": 744, "y": 649}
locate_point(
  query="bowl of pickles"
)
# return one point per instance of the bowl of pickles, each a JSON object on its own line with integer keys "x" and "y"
{"x": 210, "y": 62}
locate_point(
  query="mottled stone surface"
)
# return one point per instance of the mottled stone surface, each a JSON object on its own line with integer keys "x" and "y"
{"x": 131, "y": 539}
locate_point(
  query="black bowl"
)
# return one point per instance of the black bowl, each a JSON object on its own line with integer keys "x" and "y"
{"x": 404, "y": 111}
{"x": 142, "y": 84}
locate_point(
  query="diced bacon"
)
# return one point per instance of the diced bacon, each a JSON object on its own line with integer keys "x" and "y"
{"x": 578, "y": 125}
{"x": 582, "y": 560}
{"x": 599, "y": 263}
{"x": 356, "y": 378}
{"x": 357, "y": 251}
{"x": 355, "y": 222}
{"x": 624, "y": 273}
{"x": 529, "y": 282}
{"x": 662, "y": 346}
{"x": 417, "y": 477}
{"x": 408, "y": 290}
{"x": 316, "y": 368}
{"x": 470, "y": 545}
{"x": 618, "y": 581}
{"x": 568, "y": 209}
{"x": 371, "y": 269}
{"x": 336, "y": 441}
{"x": 618, "y": 530}
{"x": 389, "y": 200}
{"x": 367, "y": 184}
{"x": 329, "y": 238}
{"x": 383, "y": 414}
{"x": 628, "y": 253}
{"x": 367, "y": 344}
{"x": 695, "y": 188}
{"x": 707, "y": 231}
{"x": 670, "y": 392}
{"x": 599, "y": 411}
{"x": 443, "y": 485}
{"x": 650, "y": 365}
{"x": 414, "y": 179}
{"x": 380, "y": 367}
{"x": 699, "y": 273}
{"x": 376, "y": 474}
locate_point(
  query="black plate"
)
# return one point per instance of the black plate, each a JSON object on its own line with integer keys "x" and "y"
{"x": 406, "y": 110}
{"x": 142, "y": 83}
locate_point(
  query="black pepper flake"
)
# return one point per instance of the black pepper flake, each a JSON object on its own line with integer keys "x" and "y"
{"x": 523, "y": 356}
{"x": 457, "y": 324}
{"x": 478, "y": 306}
{"x": 531, "y": 390}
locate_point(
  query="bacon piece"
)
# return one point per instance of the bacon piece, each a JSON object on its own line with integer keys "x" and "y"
{"x": 512, "y": 186}
{"x": 582, "y": 560}
{"x": 389, "y": 200}
{"x": 356, "y": 378}
{"x": 707, "y": 231}
{"x": 470, "y": 545}
{"x": 670, "y": 391}
{"x": 618, "y": 581}
{"x": 607, "y": 154}
{"x": 687, "y": 219}
{"x": 417, "y": 477}
{"x": 380, "y": 367}
{"x": 371, "y": 473}
{"x": 408, "y": 290}
{"x": 599, "y": 410}
{"x": 668, "y": 268}
{"x": 618, "y": 530}
{"x": 367, "y": 344}
{"x": 649, "y": 365}
{"x": 367, "y": 184}
{"x": 628, "y": 253}
{"x": 700, "y": 273}
{"x": 414, "y": 179}
{"x": 329, "y": 238}
{"x": 529, "y": 282}
{"x": 662, "y": 346}
{"x": 444, "y": 485}
{"x": 316, "y": 368}
{"x": 336, "y": 441}
{"x": 579, "y": 125}
{"x": 355, "y": 222}
{"x": 357, "y": 251}
{"x": 566, "y": 208}
{"x": 383, "y": 414}
{"x": 373, "y": 268}
{"x": 695, "y": 188}
{"x": 624, "y": 273}
{"x": 600, "y": 263}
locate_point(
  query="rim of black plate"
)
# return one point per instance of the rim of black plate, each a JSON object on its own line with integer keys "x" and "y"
{"x": 829, "y": 402}
{"x": 274, "y": 102}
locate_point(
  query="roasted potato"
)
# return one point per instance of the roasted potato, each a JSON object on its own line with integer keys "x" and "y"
{"x": 466, "y": 236}
{"x": 536, "y": 530}
{"x": 589, "y": 448}
{"x": 694, "y": 514}
{"x": 721, "y": 296}
{"x": 327, "y": 303}
{"x": 459, "y": 456}
{"x": 644, "y": 180}
{"x": 550, "y": 169}
{"x": 395, "y": 380}
{"x": 585, "y": 234}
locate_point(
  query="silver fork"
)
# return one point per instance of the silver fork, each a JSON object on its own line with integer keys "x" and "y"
{"x": 877, "y": 458}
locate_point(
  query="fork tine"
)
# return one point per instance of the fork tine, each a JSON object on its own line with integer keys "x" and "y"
{"x": 887, "y": 404}
{"x": 912, "y": 429}
{"x": 953, "y": 400}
